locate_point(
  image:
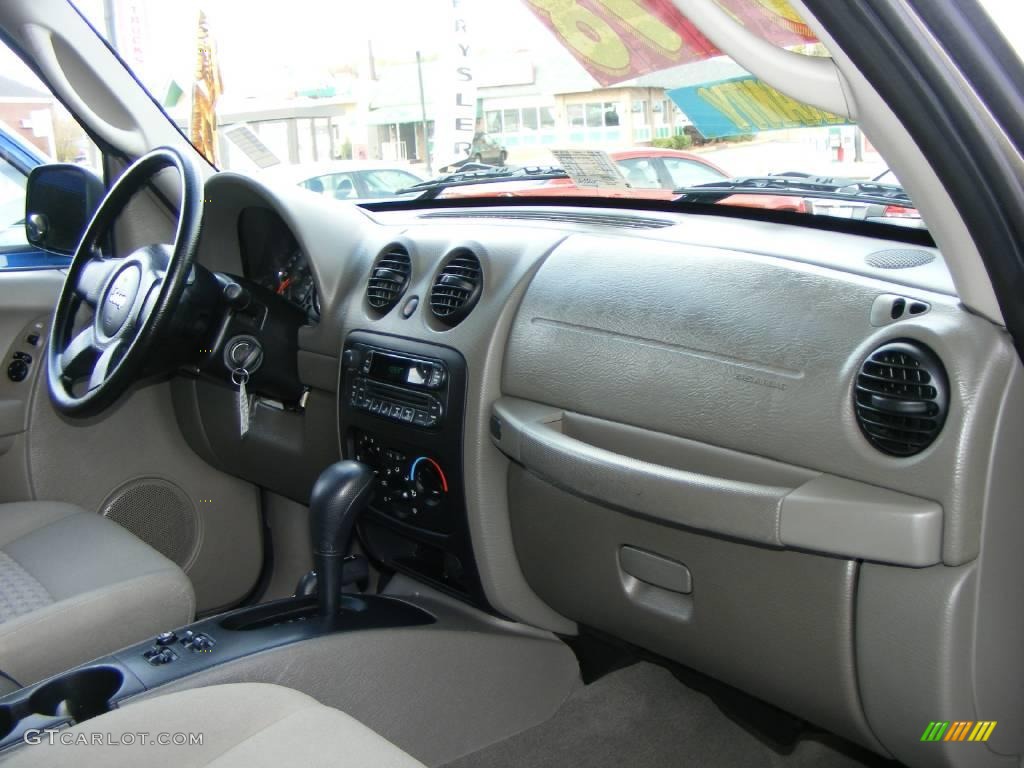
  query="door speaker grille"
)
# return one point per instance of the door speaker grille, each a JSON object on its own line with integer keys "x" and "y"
{"x": 158, "y": 512}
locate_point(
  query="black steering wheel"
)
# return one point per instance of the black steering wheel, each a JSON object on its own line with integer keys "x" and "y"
{"x": 133, "y": 298}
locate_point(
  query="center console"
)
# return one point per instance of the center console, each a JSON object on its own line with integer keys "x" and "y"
{"x": 401, "y": 412}
{"x": 101, "y": 685}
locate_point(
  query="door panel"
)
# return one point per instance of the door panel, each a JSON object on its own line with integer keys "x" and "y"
{"x": 26, "y": 301}
{"x": 132, "y": 462}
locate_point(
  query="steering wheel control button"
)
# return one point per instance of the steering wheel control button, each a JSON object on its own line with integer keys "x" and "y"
{"x": 120, "y": 298}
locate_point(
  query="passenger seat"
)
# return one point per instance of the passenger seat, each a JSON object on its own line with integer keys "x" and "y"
{"x": 242, "y": 725}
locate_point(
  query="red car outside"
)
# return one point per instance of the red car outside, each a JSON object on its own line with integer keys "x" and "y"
{"x": 652, "y": 174}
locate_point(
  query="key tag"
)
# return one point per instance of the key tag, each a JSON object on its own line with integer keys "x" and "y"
{"x": 240, "y": 377}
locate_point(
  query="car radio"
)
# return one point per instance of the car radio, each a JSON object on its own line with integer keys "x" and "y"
{"x": 402, "y": 411}
{"x": 396, "y": 386}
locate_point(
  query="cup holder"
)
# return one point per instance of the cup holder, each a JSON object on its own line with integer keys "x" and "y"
{"x": 79, "y": 695}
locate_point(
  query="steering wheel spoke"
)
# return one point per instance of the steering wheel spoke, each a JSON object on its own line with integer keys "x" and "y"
{"x": 106, "y": 362}
{"x": 77, "y": 358}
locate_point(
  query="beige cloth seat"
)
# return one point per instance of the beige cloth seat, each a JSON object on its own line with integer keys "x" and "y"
{"x": 243, "y": 725}
{"x": 74, "y": 586}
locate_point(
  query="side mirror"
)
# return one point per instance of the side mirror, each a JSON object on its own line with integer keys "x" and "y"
{"x": 60, "y": 200}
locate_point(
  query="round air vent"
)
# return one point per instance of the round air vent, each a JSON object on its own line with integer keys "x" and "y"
{"x": 388, "y": 278}
{"x": 899, "y": 258}
{"x": 901, "y": 398}
{"x": 457, "y": 287}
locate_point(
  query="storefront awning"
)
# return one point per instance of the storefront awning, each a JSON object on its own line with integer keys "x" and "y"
{"x": 399, "y": 113}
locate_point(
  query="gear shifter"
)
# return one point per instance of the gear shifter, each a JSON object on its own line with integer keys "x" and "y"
{"x": 339, "y": 496}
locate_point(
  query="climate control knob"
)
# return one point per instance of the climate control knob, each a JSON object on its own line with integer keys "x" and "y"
{"x": 428, "y": 480}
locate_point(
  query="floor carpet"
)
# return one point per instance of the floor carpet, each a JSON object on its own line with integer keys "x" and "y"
{"x": 642, "y": 717}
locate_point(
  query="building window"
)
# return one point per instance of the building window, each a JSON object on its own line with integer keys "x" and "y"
{"x": 639, "y": 109}
{"x": 493, "y": 120}
{"x": 530, "y": 118}
{"x": 594, "y": 114}
{"x": 666, "y": 113}
{"x": 510, "y": 120}
{"x": 547, "y": 117}
{"x": 611, "y": 114}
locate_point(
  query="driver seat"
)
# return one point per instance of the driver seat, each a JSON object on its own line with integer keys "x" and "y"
{"x": 74, "y": 586}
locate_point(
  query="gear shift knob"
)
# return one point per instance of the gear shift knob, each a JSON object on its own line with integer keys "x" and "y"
{"x": 339, "y": 496}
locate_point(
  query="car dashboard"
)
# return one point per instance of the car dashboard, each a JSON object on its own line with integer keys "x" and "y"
{"x": 756, "y": 448}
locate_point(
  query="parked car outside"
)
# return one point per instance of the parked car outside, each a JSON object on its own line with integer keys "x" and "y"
{"x": 487, "y": 150}
{"x": 352, "y": 180}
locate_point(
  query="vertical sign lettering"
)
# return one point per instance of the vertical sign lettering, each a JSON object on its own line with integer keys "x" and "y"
{"x": 455, "y": 119}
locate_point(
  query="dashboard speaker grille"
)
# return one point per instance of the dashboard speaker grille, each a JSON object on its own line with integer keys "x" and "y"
{"x": 388, "y": 278}
{"x": 457, "y": 287}
{"x": 899, "y": 258}
{"x": 901, "y": 398}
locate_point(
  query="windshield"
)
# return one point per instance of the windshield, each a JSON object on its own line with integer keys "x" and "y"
{"x": 598, "y": 99}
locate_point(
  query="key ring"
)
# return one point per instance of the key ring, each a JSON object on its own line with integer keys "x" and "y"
{"x": 239, "y": 376}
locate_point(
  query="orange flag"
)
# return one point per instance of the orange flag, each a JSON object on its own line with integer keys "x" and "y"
{"x": 206, "y": 89}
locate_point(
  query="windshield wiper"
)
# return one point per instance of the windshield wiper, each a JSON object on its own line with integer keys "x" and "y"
{"x": 430, "y": 189}
{"x": 814, "y": 186}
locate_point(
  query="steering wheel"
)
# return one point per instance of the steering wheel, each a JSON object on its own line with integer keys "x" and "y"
{"x": 133, "y": 298}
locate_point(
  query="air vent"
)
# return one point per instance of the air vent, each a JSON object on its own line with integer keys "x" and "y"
{"x": 568, "y": 217}
{"x": 457, "y": 287}
{"x": 388, "y": 278}
{"x": 899, "y": 258}
{"x": 901, "y": 398}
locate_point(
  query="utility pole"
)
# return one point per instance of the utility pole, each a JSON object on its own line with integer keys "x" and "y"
{"x": 423, "y": 114}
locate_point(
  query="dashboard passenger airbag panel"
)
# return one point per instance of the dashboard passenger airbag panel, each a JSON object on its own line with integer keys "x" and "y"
{"x": 758, "y": 356}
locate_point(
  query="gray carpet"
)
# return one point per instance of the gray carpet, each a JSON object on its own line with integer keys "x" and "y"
{"x": 642, "y": 717}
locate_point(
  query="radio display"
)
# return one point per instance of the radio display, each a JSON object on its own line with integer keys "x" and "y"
{"x": 398, "y": 370}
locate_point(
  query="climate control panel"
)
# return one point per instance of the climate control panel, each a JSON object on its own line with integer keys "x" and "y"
{"x": 412, "y": 488}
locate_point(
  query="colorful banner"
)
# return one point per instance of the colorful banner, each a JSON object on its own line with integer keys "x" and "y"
{"x": 746, "y": 105}
{"x": 617, "y": 40}
{"x": 206, "y": 90}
